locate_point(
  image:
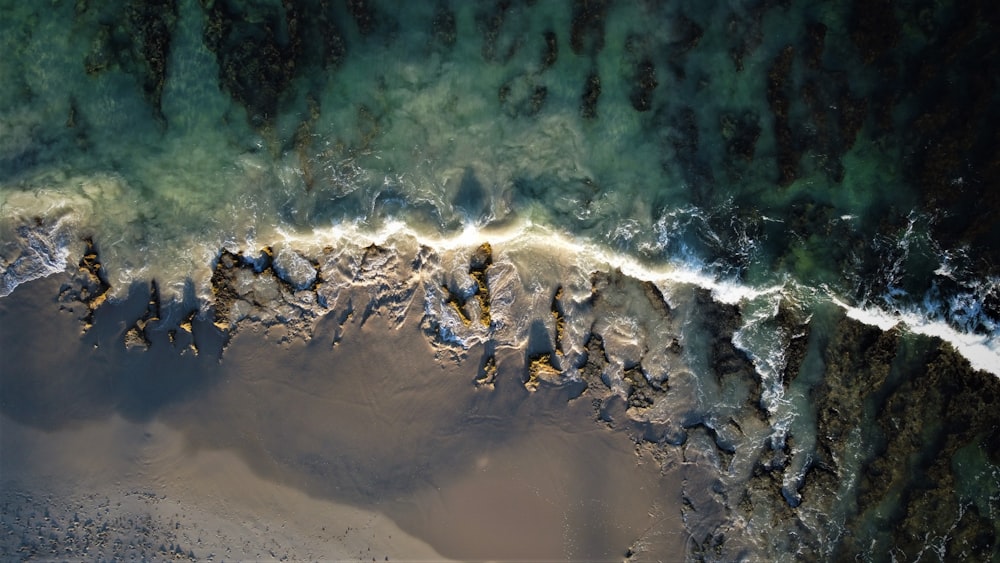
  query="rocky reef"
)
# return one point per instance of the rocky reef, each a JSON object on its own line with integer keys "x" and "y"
{"x": 890, "y": 457}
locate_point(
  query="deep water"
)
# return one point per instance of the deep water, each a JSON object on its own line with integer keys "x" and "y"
{"x": 763, "y": 233}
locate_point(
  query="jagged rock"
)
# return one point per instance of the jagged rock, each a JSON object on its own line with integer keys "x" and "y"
{"x": 487, "y": 371}
{"x": 540, "y": 369}
{"x": 90, "y": 286}
{"x": 136, "y": 336}
{"x": 293, "y": 269}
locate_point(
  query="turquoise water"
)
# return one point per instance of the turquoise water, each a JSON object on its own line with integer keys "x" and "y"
{"x": 169, "y": 132}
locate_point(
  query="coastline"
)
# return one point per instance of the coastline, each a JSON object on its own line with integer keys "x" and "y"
{"x": 379, "y": 434}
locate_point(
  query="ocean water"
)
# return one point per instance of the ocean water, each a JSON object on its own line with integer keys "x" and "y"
{"x": 759, "y": 236}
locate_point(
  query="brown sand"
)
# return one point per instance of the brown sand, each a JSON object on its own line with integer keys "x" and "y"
{"x": 310, "y": 450}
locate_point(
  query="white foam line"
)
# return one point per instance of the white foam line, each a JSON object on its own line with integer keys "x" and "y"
{"x": 981, "y": 351}
{"x": 528, "y": 235}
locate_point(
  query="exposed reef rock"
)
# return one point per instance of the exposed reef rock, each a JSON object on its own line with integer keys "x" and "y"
{"x": 90, "y": 287}
{"x": 293, "y": 269}
{"x": 487, "y": 375}
{"x": 136, "y": 336}
{"x": 265, "y": 290}
{"x": 540, "y": 369}
{"x": 480, "y": 261}
{"x": 899, "y": 411}
{"x": 904, "y": 413}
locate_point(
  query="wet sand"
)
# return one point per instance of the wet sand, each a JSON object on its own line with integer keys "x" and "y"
{"x": 315, "y": 449}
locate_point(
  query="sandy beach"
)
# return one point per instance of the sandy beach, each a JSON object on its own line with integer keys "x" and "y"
{"x": 377, "y": 446}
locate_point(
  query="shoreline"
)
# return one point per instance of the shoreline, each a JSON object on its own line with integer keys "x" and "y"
{"x": 375, "y": 421}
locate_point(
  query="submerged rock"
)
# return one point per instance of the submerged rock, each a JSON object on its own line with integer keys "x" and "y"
{"x": 591, "y": 94}
{"x": 587, "y": 29}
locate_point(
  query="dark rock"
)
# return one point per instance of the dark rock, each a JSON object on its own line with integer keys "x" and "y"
{"x": 746, "y": 30}
{"x": 90, "y": 286}
{"x": 645, "y": 83}
{"x": 587, "y": 28}
{"x": 444, "y": 29}
{"x": 333, "y": 42}
{"x": 137, "y": 336}
{"x": 490, "y": 22}
{"x": 815, "y": 38}
{"x": 656, "y": 299}
{"x": 779, "y": 101}
{"x": 594, "y": 361}
{"x": 223, "y": 285}
{"x": 521, "y": 97}
{"x": 798, "y": 343}
{"x": 731, "y": 366}
{"x": 364, "y": 15}
{"x": 479, "y": 263}
{"x": 551, "y": 52}
{"x": 874, "y": 28}
{"x": 558, "y": 310}
{"x": 487, "y": 374}
{"x": 481, "y": 259}
{"x": 740, "y": 133}
{"x": 591, "y": 94}
{"x": 688, "y": 34}
{"x": 139, "y": 44}
{"x": 152, "y": 23}
{"x": 641, "y": 393}
{"x": 939, "y": 409}
{"x": 255, "y": 66}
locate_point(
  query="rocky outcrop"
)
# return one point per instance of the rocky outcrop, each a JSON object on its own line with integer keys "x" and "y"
{"x": 137, "y": 336}
{"x": 90, "y": 287}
